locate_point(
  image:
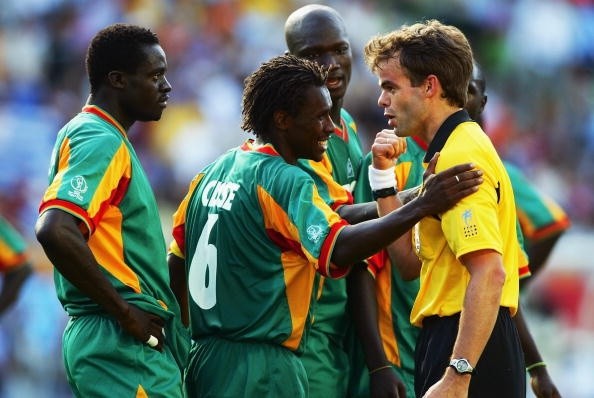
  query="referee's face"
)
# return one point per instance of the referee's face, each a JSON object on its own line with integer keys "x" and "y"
{"x": 405, "y": 105}
{"x": 146, "y": 92}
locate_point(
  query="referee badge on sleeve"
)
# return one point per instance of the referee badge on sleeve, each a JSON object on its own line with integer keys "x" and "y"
{"x": 470, "y": 228}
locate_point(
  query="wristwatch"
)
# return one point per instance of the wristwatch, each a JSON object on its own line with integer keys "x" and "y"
{"x": 461, "y": 366}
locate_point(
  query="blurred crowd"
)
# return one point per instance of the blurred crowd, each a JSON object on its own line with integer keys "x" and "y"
{"x": 537, "y": 55}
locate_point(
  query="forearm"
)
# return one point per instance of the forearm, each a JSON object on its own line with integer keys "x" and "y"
{"x": 531, "y": 353}
{"x": 481, "y": 304}
{"x": 179, "y": 285}
{"x": 363, "y": 309}
{"x": 68, "y": 251}
{"x": 357, "y": 242}
{"x": 479, "y": 313}
{"x": 358, "y": 212}
{"x": 400, "y": 251}
{"x": 12, "y": 284}
{"x": 409, "y": 194}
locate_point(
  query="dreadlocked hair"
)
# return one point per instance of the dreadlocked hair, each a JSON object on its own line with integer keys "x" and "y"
{"x": 278, "y": 84}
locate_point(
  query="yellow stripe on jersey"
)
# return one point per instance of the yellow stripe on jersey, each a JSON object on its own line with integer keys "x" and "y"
{"x": 52, "y": 190}
{"x": 112, "y": 177}
{"x": 299, "y": 277}
{"x": 106, "y": 242}
{"x": 383, "y": 281}
{"x": 178, "y": 245}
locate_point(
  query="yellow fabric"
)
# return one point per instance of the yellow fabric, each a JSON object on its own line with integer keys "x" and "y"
{"x": 483, "y": 220}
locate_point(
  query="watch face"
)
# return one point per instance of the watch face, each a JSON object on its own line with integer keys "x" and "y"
{"x": 462, "y": 366}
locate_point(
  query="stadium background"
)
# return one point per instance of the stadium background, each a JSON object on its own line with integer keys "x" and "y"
{"x": 538, "y": 57}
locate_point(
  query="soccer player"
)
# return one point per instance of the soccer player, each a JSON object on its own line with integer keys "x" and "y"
{"x": 318, "y": 33}
{"x": 253, "y": 230}
{"x": 469, "y": 278}
{"x": 14, "y": 264}
{"x": 100, "y": 227}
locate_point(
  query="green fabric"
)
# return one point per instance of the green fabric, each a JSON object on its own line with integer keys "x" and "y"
{"x": 101, "y": 361}
{"x": 221, "y": 368}
{"x": 327, "y": 365}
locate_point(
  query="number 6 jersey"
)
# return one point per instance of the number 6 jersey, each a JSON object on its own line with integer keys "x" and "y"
{"x": 253, "y": 231}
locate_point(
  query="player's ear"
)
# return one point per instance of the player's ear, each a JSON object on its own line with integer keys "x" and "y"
{"x": 431, "y": 85}
{"x": 116, "y": 79}
{"x": 281, "y": 120}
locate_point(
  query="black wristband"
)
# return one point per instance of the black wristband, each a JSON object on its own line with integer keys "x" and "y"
{"x": 384, "y": 193}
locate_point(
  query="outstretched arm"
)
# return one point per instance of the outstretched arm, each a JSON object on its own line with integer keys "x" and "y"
{"x": 440, "y": 192}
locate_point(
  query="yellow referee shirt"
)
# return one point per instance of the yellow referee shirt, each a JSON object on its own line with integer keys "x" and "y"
{"x": 483, "y": 220}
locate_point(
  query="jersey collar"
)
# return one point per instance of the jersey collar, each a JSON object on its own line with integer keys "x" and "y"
{"x": 95, "y": 110}
{"x": 443, "y": 133}
{"x": 267, "y": 149}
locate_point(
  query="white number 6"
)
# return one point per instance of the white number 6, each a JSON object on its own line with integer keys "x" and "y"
{"x": 202, "y": 279}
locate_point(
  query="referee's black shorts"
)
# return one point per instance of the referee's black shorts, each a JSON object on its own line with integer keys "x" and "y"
{"x": 499, "y": 372}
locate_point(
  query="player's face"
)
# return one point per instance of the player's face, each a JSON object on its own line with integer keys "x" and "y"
{"x": 147, "y": 90}
{"x": 403, "y": 104}
{"x": 325, "y": 41}
{"x": 311, "y": 127}
{"x": 476, "y": 100}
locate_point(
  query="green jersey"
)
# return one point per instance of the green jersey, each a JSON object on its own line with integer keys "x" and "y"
{"x": 254, "y": 231}
{"x": 336, "y": 177}
{"x": 96, "y": 176}
{"x": 12, "y": 247}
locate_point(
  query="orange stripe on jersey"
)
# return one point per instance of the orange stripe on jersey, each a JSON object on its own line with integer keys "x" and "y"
{"x": 342, "y": 131}
{"x": 339, "y": 196}
{"x": 299, "y": 283}
{"x": 551, "y": 229}
{"x": 52, "y": 191}
{"x": 383, "y": 282}
{"x": 107, "y": 246}
{"x": 179, "y": 220}
{"x": 402, "y": 171}
{"x": 8, "y": 258}
{"x": 524, "y": 271}
{"x": 140, "y": 393}
{"x": 117, "y": 175}
{"x": 105, "y": 116}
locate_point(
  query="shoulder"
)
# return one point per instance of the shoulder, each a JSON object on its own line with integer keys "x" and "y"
{"x": 88, "y": 130}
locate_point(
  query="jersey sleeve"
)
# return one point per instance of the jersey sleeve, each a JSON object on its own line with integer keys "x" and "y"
{"x": 539, "y": 215}
{"x": 178, "y": 244}
{"x": 91, "y": 171}
{"x": 334, "y": 194}
{"x": 298, "y": 218}
{"x": 471, "y": 224}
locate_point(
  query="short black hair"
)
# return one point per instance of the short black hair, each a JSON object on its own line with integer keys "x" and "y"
{"x": 116, "y": 47}
{"x": 278, "y": 84}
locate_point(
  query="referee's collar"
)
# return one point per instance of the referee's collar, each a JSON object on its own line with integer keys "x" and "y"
{"x": 444, "y": 131}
